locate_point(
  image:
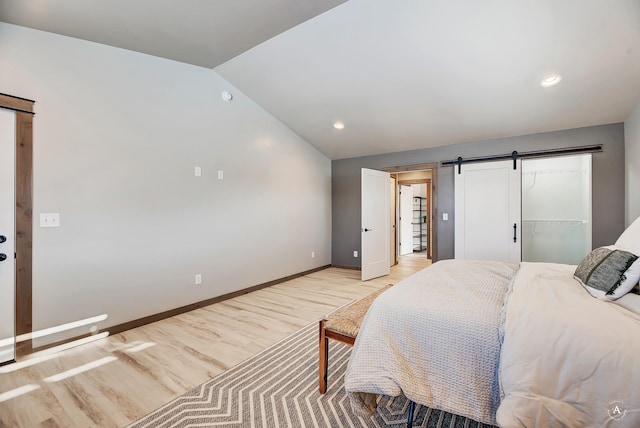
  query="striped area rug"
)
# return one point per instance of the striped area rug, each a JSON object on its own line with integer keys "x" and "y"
{"x": 279, "y": 388}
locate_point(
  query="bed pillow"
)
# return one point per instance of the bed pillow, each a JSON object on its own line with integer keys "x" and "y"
{"x": 630, "y": 302}
{"x": 608, "y": 273}
{"x": 630, "y": 238}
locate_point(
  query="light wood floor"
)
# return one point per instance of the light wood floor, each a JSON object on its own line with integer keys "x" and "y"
{"x": 114, "y": 381}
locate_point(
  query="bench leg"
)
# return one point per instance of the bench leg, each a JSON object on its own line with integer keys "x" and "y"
{"x": 323, "y": 359}
{"x": 412, "y": 407}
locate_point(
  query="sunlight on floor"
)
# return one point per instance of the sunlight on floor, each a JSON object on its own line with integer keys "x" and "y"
{"x": 18, "y": 392}
{"x": 80, "y": 369}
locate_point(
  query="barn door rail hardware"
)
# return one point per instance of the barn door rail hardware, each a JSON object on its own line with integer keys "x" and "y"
{"x": 596, "y": 148}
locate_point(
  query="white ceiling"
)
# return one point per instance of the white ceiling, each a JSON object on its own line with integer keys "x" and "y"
{"x": 199, "y": 32}
{"x": 401, "y": 75}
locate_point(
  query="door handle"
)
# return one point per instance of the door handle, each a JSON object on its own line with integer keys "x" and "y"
{"x": 515, "y": 227}
{"x": 367, "y": 230}
{"x": 3, "y": 257}
{"x": 2, "y": 239}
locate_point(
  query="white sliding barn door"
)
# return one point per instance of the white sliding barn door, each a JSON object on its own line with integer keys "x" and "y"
{"x": 375, "y": 224}
{"x": 487, "y": 207}
{"x": 7, "y": 235}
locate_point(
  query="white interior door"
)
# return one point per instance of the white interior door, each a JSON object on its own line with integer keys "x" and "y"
{"x": 7, "y": 235}
{"x": 487, "y": 211}
{"x": 375, "y": 224}
{"x": 406, "y": 218}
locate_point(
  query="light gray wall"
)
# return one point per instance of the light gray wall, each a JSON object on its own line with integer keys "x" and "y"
{"x": 632, "y": 165}
{"x": 608, "y": 184}
{"x": 117, "y": 135}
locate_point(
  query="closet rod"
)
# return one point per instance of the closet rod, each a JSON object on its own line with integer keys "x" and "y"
{"x": 515, "y": 155}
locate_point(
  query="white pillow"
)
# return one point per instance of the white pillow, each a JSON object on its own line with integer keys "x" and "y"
{"x": 630, "y": 238}
{"x": 630, "y": 302}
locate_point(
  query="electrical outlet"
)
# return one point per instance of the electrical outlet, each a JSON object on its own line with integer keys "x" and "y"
{"x": 197, "y": 171}
{"x": 220, "y": 174}
{"x": 313, "y": 254}
{"x": 198, "y": 278}
{"x": 50, "y": 220}
{"x": 355, "y": 253}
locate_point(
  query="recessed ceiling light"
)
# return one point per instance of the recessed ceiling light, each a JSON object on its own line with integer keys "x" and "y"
{"x": 551, "y": 80}
{"x": 338, "y": 125}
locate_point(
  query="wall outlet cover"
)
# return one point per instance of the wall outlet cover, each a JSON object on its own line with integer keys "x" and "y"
{"x": 50, "y": 220}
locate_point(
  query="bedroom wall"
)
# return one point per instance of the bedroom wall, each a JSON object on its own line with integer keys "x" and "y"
{"x": 632, "y": 165}
{"x": 608, "y": 184}
{"x": 117, "y": 135}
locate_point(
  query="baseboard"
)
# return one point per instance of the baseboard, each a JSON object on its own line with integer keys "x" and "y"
{"x": 119, "y": 328}
{"x": 346, "y": 267}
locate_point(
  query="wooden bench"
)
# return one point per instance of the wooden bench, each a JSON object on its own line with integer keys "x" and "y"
{"x": 342, "y": 325}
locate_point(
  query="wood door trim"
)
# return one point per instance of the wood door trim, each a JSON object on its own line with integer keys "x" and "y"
{"x": 429, "y": 201}
{"x": 394, "y": 221}
{"x": 416, "y": 181}
{"x": 24, "y": 219}
{"x": 434, "y": 199}
{"x": 16, "y": 103}
{"x": 414, "y": 167}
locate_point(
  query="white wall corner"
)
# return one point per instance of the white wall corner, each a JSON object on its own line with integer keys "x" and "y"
{"x": 632, "y": 165}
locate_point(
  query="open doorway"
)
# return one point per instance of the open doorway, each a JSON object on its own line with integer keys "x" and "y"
{"x": 414, "y": 219}
{"x": 414, "y": 211}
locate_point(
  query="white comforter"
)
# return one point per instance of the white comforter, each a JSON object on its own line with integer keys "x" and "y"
{"x": 568, "y": 359}
{"x": 443, "y": 338}
{"x": 434, "y": 337}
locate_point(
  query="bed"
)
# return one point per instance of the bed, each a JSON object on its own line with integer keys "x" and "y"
{"x": 528, "y": 345}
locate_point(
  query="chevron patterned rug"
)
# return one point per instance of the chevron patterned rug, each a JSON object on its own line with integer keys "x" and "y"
{"x": 279, "y": 388}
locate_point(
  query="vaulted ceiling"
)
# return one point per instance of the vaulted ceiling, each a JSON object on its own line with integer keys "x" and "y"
{"x": 399, "y": 75}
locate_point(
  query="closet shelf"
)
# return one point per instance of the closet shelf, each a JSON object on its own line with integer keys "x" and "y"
{"x": 419, "y": 226}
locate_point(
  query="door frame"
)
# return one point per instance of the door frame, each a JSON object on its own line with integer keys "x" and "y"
{"x": 393, "y": 195}
{"x": 24, "y": 220}
{"x": 426, "y": 182}
{"x": 433, "y": 166}
{"x": 400, "y": 214}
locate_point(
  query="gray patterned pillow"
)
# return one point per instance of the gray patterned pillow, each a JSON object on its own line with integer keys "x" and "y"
{"x": 608, "y": 274}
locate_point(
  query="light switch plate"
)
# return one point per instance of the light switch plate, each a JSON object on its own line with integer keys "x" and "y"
{"x": 445, "y": 216}
{"x": 49, "y": 219}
